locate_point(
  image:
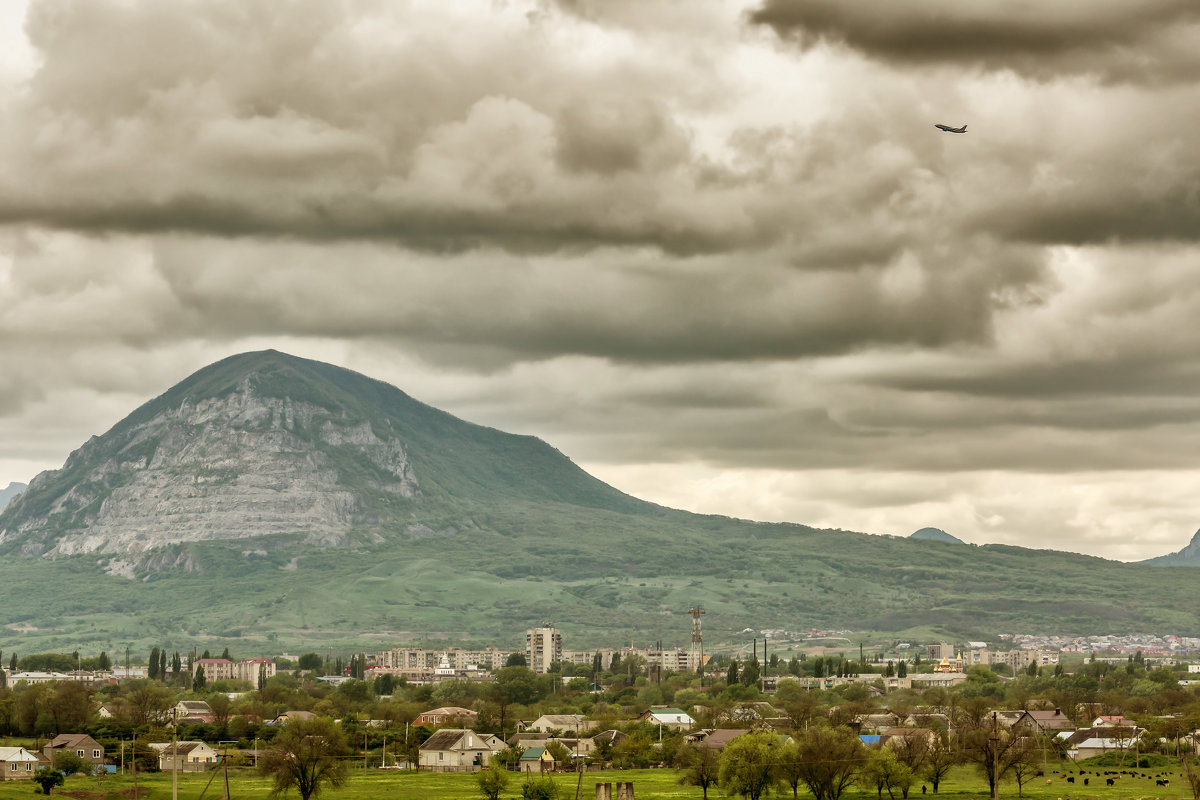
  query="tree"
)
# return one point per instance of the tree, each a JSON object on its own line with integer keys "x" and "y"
{"x": 103, "y": 662}
{"x": 311, "y": 662}
{"x": 309, "y": 755}
{"x": 162, "y": 664}
{"x": 911, "y": 749}
{"x": 68, "y": 762}
{"x": 47, "y": 778}
{"x": 145, "y": 702}
{"x": 198, "y": 681}
{"x": 516, "y": 660}
{"x": 787, "y": 771}
{"x": 558, "y": 751}
{"x": 750, "y": 673}
{"x": 518, "y": 684}
{"x": 176, "y": 664}
{"x": 1191, "y": 774}
{"x": 152, "y": 670}
{"x": 884, "y": 771}
{"x": 1026, "y": 762}
{"x": 731, "y": 677}
{"x": 747, "y": 765}
{"x": 492, "y": 781}
{"x": 830, "y": 759}
{"x": 902, "y": 669}
{"x": 698, "y": 766}
{"x": 541, "y": 787}
{"x": 992, "y": 749}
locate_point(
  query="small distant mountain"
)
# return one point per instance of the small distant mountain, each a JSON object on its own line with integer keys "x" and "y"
{"x": 1187, "y": 557}
{"x": 10, "y": 492}
{"x": 935, "y": 535}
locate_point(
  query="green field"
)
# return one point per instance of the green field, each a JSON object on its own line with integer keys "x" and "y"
{"x": 654, "y": 784}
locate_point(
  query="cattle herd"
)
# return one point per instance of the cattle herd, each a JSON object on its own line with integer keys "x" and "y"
{"x": 1112, "y": 776}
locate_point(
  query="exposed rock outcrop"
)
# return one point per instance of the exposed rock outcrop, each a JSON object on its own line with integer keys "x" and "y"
{"x": 234, "y": 467}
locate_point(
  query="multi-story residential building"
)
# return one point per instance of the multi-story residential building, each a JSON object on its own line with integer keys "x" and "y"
{"x": 215, "y": 669}
{"x": 254, "y": 670}
{"x": 459, "y": 658}
{"x": 543, "y": 647}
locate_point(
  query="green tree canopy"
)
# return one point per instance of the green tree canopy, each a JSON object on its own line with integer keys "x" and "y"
{"x": 308, "y": 756}
{"x": 747, "y": 765}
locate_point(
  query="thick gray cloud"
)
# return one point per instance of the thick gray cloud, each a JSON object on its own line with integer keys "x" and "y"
{"x": 722, "y": 272}
{"x": 1111, "y": 39}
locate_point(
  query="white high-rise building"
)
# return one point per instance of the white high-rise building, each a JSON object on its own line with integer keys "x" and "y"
{"x": 543, "y": 647}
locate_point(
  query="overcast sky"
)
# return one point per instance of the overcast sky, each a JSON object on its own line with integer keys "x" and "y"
{"x": 713, "y": 250}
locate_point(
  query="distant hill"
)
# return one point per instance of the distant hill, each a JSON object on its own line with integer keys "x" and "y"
{"x": 935, "y": 535}
{"x": 1189, "y": 556}
{"x": 9, "y": 492}
{"x": 269, "y": 502}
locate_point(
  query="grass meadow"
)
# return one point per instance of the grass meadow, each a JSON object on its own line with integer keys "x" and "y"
{"x": 965, "y": 783}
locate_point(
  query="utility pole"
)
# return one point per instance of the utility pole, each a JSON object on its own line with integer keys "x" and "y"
{"x": 225, "y": 763}
{"x": 174, "y": 754}
{"x": 995, "y": 740}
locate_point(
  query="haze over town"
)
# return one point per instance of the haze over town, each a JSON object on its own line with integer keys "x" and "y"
{"x": 716, "y": 252}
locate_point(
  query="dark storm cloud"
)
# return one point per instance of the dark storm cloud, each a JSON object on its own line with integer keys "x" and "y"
{"x": 1112, "y": 39}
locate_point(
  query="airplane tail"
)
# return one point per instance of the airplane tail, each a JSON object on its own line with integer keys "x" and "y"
{"x": 964, "y": 127}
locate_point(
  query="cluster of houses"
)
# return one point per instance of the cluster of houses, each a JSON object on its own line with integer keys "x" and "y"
{"x": 184, "y": 756}
{"x": 463, "y": 750}
{"x": 20, "y": 763}
{"x": 460, "y": 749}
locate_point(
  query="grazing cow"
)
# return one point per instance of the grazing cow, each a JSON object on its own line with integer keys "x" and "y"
{"x": 1085, "y": 781}
{"x": 1071, "y": 779}
{"x": 1109, "y": 781}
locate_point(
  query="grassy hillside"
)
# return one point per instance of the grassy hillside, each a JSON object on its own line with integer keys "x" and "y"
{"x": 602, "y": 577}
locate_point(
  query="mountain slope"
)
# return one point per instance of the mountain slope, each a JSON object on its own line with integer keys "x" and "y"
{"x": 272, "y": 502}
{"x": 264, "y": 443}
{"x": 1189, "y": 556}
{"x": 9, "y": 492}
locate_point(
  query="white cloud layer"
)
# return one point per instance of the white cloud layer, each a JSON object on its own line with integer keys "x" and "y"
{"x": 716, "y": 252}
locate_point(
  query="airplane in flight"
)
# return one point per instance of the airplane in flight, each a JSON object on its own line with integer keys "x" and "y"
{"x": 948, "y": 129}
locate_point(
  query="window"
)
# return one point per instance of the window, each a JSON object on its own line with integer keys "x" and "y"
{"x": 80, "y": 752}
{"x": 29, "y": 766}
{"x": 95, "y": 754}
{"x": 13, "y": 766}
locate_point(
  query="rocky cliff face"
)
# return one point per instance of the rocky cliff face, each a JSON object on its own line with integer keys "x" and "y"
{"x": 232, "y": 467}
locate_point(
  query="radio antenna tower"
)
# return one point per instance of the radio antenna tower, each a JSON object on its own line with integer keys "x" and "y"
{"x": 696, "y": 653}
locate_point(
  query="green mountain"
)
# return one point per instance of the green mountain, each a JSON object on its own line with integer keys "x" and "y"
{"x": 935, "y": 535}
{"x": 275, "y": 503}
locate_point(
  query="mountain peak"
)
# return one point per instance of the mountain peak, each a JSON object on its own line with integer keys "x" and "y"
{"x": 935, "y": 535}
{"x": 268, "y": 444}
